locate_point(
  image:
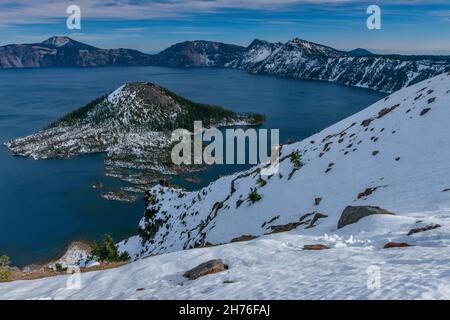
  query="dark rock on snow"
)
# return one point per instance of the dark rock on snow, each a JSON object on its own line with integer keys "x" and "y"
{"x": 209, "y": 267}
{"x": 315, "y": 247}
{"x": 245, "y": 237}
{"x": 285, "y": 227}
{"x": 353, "y": 214}
{"x": 427, "y": 228}
{"x": 396, "y": 245}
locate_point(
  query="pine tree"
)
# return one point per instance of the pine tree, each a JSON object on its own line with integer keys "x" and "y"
{"x": 253, "y": 196}
{"x": 5, "y": 270}
{"x": 108, "y": 251}
{"x": 295, "y": 159}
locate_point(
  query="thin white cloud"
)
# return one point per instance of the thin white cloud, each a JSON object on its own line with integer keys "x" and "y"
{"x": 47, "y": 11}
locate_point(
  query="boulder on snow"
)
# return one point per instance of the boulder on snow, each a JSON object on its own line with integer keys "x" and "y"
{"x": 209, "y": 267}
{"x": 353, "y": 214}
{"x": 396, "y": 245}
{"x": 317, "y": 201}
{"x": 315, "y": 247}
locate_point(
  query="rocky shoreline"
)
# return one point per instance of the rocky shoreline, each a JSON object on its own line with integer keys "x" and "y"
{"x": 75, "y": 257}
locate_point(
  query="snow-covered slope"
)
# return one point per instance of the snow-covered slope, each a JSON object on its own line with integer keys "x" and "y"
{"x": 392, "y": 154}
{"x": 275, "y": 267}
{"x": 256, "y": 52}
{"x": 57, "y": 41}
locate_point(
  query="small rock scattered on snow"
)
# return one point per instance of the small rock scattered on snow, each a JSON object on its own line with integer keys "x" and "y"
{"x": 209, "y": 267}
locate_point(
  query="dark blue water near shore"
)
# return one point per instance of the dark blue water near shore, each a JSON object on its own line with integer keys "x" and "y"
{"x": 46, "y": 204}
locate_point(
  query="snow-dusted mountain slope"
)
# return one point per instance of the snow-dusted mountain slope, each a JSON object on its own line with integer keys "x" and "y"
{"x": 256, "y": 52}
{"x": 392, "y": 154}
{"x": 306, "y": 60}
{"x": 132, "y": 125}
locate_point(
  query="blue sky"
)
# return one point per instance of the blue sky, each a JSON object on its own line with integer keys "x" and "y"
{"x": 410, "y": 27}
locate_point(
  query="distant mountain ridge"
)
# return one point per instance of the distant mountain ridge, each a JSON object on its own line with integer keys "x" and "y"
{"x": 307, "y": 60}
{"x": 66, "y": 52}
{"x": 297, "y": 58}
{"x": 360, "y": 52}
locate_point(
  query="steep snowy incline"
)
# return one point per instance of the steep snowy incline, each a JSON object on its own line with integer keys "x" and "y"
{"x": 393, "y": 154}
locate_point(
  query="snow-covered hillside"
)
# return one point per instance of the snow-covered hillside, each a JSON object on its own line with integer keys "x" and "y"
{"x": 393, "y": 154}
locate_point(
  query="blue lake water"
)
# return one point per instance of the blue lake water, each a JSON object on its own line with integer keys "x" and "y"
{"x": 46, "y": 204}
